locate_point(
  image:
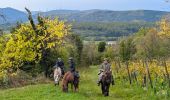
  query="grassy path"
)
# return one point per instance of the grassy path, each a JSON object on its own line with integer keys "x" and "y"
{"x": 88, "y": 91}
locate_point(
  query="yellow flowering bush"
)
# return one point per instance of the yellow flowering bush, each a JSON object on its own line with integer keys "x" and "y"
{"x": 25, "y": 44}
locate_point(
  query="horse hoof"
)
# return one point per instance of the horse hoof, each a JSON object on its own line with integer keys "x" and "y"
{"x": 106, "y": 94}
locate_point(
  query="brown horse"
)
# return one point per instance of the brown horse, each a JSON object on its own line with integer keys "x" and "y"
{"x": 105, "y": 82}
{"x": 70, "y": 78}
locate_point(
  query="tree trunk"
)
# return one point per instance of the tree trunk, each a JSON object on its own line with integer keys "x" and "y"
{"x": 127, "y": 67}
{"x": 148, "y": 72}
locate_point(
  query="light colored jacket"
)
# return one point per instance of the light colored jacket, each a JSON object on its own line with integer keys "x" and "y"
{"x": 104, "y": 67}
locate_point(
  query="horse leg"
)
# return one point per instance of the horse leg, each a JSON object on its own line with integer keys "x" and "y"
{"x": 72, "y": 86}
{"x": 105, "y": 90}
{"x": 102, "y": 88}
{"x": 75, "y": 87}
{"x": 67, "y": 87}
{"x": 108, "y": 89}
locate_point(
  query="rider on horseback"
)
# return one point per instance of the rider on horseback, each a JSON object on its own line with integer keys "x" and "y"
{"x": 72, "y": 67}
{"x": 105, "y": 66}
{"x": 60, "y": 64}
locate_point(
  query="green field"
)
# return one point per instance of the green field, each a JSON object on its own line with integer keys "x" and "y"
{"x": 88, "y": 91}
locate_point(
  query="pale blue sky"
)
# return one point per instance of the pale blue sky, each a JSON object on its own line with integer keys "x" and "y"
{"x": 45, "y": 5}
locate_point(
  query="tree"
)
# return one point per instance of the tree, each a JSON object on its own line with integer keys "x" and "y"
{"x": 101, "y": 46}
{"x": 126, "y": 51}
{"x": 77, "y": 41}
{"x": 151, "y": 47}
{"x": 164, "y": 50}
{"x": 90, "y": 54}
{"x": 33, "y": 42}
{"x": 164, "y": 26}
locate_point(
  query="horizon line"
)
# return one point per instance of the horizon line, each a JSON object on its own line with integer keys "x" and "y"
{"x": 86, "y": 9}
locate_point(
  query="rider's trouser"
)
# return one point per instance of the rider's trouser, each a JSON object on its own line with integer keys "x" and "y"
{"x": 100, "y": 77}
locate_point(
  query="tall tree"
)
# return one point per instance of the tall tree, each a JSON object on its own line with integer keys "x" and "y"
{"x": 126, "y": 51}
{"x": 101, "y": 46}
{"x": 32, "y": 43}
{"x": 77, "y": 41}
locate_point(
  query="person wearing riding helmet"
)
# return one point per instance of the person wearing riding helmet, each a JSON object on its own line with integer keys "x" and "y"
{"x": 71, "y": 64}
{"x": 72, "y": 67}
{"x": 60, "y": 63}
{"x": 105, "y": 66}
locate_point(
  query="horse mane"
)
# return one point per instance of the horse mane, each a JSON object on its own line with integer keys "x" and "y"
{"x": 57, "y": 70}
{"x": 65, "y": 76}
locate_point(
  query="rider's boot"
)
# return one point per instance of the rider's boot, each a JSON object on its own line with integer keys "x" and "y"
{"x": 98, "y": 82}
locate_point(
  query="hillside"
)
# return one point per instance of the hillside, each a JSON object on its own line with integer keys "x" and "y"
{"x": 112, "y": 16}
{"x": 91, "y": 24}
{"x": 99, "y": 31}
{"x": 88, "y": 91}
{"x": 13, "y": 15}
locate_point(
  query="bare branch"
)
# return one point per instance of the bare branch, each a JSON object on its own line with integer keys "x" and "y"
{"x": 31, "y": 19}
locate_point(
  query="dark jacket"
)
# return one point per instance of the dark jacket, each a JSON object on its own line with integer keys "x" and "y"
{"x": 60, "y": 64}
{"x": 72, "y": 66}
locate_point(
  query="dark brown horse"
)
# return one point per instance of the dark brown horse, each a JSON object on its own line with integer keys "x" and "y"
{"x": 70, "y": 78}
{"x": 105, "y": 82}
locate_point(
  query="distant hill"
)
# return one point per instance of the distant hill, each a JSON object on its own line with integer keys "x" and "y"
{"x": 91, "y": 24}
{"x": 13, "y": 15}
{"x": 111, "y": 16}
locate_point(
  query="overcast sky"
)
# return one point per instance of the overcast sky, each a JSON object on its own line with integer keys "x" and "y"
{"x": 45, "y": 5}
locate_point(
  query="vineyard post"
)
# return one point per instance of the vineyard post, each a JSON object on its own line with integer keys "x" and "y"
{"x": 148, "y": 72}
{"x": 166, "y": 70}
{"x": 144, "y": 77}
{"x": 119, "y": 63}
{"x": 127, "y": 67}
{"x": 117, "y": 67}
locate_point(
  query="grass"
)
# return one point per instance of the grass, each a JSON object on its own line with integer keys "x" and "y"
{"x": 88, "y": 91}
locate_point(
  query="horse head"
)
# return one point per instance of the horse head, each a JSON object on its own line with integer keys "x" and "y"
{"x": 76, "y": 80}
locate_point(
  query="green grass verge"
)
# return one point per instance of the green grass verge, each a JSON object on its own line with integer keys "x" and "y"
{"x": 88, "y": 91}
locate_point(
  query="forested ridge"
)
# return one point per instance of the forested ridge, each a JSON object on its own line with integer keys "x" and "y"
{"x": 110, "y": 31}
